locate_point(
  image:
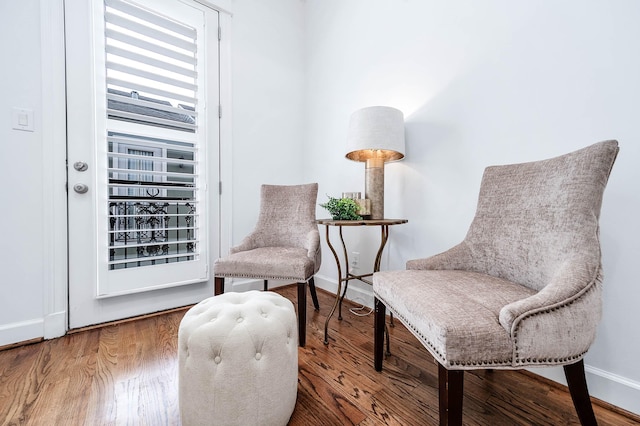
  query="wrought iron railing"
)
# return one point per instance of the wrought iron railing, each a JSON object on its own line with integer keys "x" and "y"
{"x": 145, "y": 232}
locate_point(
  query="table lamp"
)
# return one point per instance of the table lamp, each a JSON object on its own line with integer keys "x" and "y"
{"x": 376, "y": 136}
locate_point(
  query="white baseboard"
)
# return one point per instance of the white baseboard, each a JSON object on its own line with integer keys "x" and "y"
{"x": 614, "y": 389}
{"x": 21, "y": 331}
{"x": 608, "y": 387}
{"x": 55, "y": 325}
{"x": 605, "y": 386}
{"x": 357, "y": 292}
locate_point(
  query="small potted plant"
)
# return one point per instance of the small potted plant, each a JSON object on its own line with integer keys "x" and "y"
{"x": 342, "y": 208}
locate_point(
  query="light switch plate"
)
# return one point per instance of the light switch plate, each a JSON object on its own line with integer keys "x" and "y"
{"x": 22, "y": 119}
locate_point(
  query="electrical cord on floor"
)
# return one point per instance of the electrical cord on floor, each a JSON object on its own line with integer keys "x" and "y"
{"x": 359, "y": 311}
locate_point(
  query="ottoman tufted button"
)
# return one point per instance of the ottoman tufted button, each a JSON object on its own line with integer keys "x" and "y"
{"x": 258, "y": 356}
{"x": 217, "y": 360}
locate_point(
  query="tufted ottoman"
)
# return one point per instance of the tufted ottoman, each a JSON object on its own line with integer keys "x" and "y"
{"x": 238, "y": 360}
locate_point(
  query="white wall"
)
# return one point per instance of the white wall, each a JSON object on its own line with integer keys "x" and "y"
{"x": 22, "y": 251}
{"x": 483, "y": 83}
{"x": 268, "y": 101}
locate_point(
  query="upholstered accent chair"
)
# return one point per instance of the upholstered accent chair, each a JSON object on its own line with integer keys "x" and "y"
{"x": 523, "y": 289}
{"x": 284, "y": 245}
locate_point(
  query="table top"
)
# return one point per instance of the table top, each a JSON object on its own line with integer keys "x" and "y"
{"x": 363, "y": 222}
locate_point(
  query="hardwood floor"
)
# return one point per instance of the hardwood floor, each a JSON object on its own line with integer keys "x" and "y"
{"x": 126, "y": 374}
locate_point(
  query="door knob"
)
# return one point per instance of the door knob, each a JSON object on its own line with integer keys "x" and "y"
{"x": 80, "y": 188}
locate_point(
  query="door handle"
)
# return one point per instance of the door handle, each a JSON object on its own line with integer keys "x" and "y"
{"x": 80, "y": 188}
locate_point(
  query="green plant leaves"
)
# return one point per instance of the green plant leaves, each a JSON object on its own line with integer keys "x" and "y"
{"x": 342, "y": 208}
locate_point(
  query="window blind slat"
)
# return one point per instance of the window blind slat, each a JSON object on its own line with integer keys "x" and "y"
{"x": 149, "y": 105}
{"x": 176, "y": 201}
{"x": 179, "y": 145}
{"x": 145, "y": 45}
{"x": 150, "y": 119}
{"x": 147, "y": 216}
{"x": 152, "y": 173}
{"x": 149, "y": 32}
{"x": 144, "y": 59}
{"x": 134, "y": 260}
{"x": 155, "y": 18}
{"x": 153, "y": 258}
{"x": 140, "y": 184}
{"x": 142, "y": 157}
{"x": 136, "y": 87}
{"x": 185, "y": 228}
{"x": 157, "y": 242}
{"x": 149, "y": 75}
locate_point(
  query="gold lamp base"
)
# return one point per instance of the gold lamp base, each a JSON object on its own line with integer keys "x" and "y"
{"x": 374, "y": 186}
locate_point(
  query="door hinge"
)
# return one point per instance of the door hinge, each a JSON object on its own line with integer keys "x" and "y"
{"x": 220, "y": 187}
{"x": 219, "y": 111}
{"x": 219, "y": 33}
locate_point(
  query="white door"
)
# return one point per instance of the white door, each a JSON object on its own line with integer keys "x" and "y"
{"x": 143, "y": 143}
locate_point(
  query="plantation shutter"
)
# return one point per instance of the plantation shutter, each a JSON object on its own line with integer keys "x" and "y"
{"x": 151, "y": 67}
{"x": 153, "y": 143}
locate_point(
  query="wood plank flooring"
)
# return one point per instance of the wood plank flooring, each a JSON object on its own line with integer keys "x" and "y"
{"x": 126, "y": 374}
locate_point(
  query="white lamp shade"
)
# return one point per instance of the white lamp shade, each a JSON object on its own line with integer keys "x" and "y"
{"x": 376, "y": 131}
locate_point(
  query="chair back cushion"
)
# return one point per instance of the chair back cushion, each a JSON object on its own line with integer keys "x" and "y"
{"x": 287, "y": 215}
{"x": 532, "y": 217}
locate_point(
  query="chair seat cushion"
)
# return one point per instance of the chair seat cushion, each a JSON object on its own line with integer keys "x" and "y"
{"x": 455, "y": 314}
{"x": 284, "y": 263}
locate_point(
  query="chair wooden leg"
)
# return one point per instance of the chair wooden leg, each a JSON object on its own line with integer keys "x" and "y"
{"x": 302, "y": 313}
{"x": 450, "y": 384}
{"x": 314, "y": 295}
{"x": 218, "y": 285}
{"x": 378, "y": 333}
{"x": 265, "y": 285}
{"x": 580, "y": 393}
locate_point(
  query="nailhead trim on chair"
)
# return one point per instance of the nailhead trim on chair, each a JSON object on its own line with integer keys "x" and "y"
{"x": 415, "y": 331}
{"x": 261, "y": 277}
{"x": 492, "y": 363}
{"x": 517, "y": 360}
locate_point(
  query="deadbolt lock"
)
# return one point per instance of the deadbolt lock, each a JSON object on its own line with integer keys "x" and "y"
{"x": 80, "y": 166}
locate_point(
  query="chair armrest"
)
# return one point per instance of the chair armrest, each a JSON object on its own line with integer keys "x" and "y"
{"x": 572, "y": 279}
{"x": 249, "y": 242}
{"x": 560, "y": 321}
{"x": 312, "y": 243}
{"x": 457, "y": 257}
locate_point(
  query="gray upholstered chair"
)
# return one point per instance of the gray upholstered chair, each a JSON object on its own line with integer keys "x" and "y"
{"x": 523, "y": 289}
{"x": 285, "y": 245}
